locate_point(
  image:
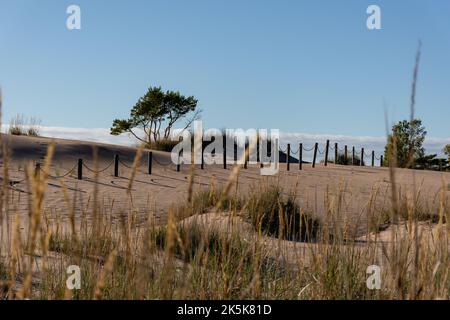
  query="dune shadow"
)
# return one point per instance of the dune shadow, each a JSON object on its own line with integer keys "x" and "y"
{"x": 106, "y": 185}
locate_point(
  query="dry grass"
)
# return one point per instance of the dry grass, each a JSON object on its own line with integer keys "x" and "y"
{"x": 187, "y": 260}
{"x": 21, "y": 126}
{"x": 224, "y": 245}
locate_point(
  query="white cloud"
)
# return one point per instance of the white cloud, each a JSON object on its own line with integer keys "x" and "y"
{"x": 86, "y": 134}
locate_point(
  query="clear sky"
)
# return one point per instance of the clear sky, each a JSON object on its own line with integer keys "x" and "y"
{"x": 300, "y": 66}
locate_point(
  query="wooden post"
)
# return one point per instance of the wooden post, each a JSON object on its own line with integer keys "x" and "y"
{"x": 345, "y": 155}
{"x": 288, "y": 157}
{"x": 381, "y": 161}
{"x": 373, "y": 158}
{"x": 315, "y": 155}
{"x": 37, "y": 170}
{"x": 260, "y": 148}
{"x": 300, "y": 156}
{"x": 235, "y": 150}
{"x": 245, "y": 154}
{"x": 225, "y": 151}
{"x": 179, "y": 160}
{"x": 362, "y": 157}
{"x": 326, "y": 152}
{"x": 336, "y": 153}
{"x": 116, "y": 165}
{"x": 353, "y": 155}
{"x": 258, "y": 159}
{"x": 202, "y": 165}
{"x": 80, "y": 169}
{"x": 150, "y": 161}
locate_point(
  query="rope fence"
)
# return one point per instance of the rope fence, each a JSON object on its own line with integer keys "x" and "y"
{"x": 342, "y": 156}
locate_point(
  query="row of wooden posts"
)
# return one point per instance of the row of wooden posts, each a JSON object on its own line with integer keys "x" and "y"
{"x": 80, "y": 164}
{"x": 336, "y": 155}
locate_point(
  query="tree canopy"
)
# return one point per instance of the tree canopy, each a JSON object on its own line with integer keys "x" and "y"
{"x": 156, "y": 113}
{"x": 405, "y": 143}
{"x": 447, "y": 151}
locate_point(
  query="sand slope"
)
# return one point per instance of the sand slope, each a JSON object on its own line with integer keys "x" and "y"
{"x": 152, "y": 194}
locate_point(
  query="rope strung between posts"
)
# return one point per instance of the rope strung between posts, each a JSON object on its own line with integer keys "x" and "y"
{"x": 60, "y": 176}
{"x": 162, "y": 163}
{"x": 129, "y": 166}
{"x": 320, "y": 152}
{"x": 282, "y": 150}
{"x": 308, "y": 150}
{"x": 125, "y": 165}
{"x": 99, "y": 171}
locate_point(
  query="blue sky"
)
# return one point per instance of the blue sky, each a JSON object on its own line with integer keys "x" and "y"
{"x": 300, "y": 66}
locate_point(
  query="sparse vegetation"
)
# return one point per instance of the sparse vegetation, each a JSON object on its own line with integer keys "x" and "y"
{"x": 275, "y": 215}
{"x": 346, "y": 161}
{"x": 163, "y": 145}
{"x": 206, "y": 251}
{"x": 406, "y": 142}
{"x": 223, "y": 244}
{"x": 21, "y": 126}
{"x": 155, "y": 114}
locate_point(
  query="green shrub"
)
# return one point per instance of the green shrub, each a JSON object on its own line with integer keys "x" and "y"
{"x": 275, "y": 215}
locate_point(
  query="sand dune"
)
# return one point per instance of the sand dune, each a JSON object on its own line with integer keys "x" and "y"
{"x": 153, "y": 194}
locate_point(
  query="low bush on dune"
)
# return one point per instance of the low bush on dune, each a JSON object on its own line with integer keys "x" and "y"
{"x": 276, "y": 215}
{"x": 163, "y": 145}
{"x": 269, "y": 211}
{"x": 21, "y": 126}
{"x": 347, "y": 160}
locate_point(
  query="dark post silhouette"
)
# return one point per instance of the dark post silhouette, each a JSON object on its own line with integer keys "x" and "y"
{"x": 150, "y": 160}
{"x": 315, "y": 155}
{"x": 288, "y": 156}
{"x": 116, "y": 165}
{"x": 336, "y": 153}
{"x": 225, "y": 151}
{"x": 353, "y": 155}
{"x": 235, "y": 150}
{"x": 373, "y": 158}
{"x": 258, "y": 159}
{"x": 362, "y": 157}
{"x": 80, "y": 169}
{"x": 345, "y": 155}
{"x": 326, "y": 152}
{"x": 180, "y": 154}
{"x": 246, "y": 151}
{"x": 300, "y": 156}
{"x": 37, "y": 170}
{"x": 381, "y": 161}
{"x": 202, "y": 165}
